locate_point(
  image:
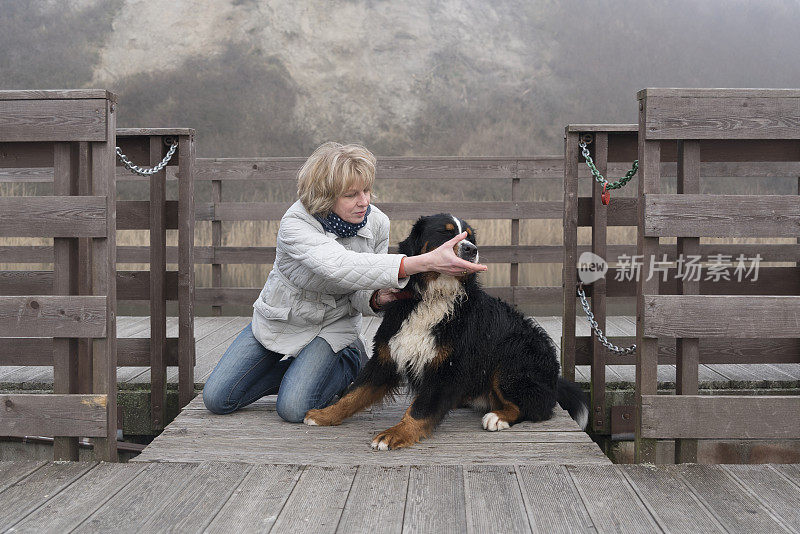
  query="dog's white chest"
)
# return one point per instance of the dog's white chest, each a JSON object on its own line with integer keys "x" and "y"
{"x": 413, "y": 346}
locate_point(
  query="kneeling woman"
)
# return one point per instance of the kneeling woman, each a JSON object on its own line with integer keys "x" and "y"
{"x": 331, "y": 266}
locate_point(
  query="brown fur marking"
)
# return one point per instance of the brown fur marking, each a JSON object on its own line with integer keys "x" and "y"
{"x": 405, "y": 433}
{"x": 449, "y": 226}
{"x": 442, "y": 355}
{"x": 506, "y": 410}
{"x": 384, "y": 354}
{"x": 355, "y": 401}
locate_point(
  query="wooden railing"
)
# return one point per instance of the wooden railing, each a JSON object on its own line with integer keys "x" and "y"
{"x": 146, "y": 147}
{"x": 713, "y": 125}
{"x": 46, "y": 128}
{"x": 158, "y": 285}
{"x": 613, "y": 148}
{"x": 498, "y": 172}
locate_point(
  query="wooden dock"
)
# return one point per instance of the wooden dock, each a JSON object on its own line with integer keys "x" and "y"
{"x": 256, "y": 434}
{"x": 252, "y": 472}
{"x": 229, "y": 496}
{"x": 214, "y": 334}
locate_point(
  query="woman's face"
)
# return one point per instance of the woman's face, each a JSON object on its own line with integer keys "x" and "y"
{"x": 352, "y": 205}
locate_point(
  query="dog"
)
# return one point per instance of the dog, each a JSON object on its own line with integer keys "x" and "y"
{"x": 454, "y": 344}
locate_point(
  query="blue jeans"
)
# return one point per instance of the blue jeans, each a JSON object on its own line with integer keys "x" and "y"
{"x": 249, "y": 371}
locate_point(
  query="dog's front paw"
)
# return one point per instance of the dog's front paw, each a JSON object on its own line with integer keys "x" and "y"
{"x": 492, "y": 422}
{"x": 396, "y": 437}
{"x": 323, "y": 417}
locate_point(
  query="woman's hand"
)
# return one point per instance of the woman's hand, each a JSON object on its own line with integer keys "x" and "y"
{"x": 443, "y": 260}
{"x": 385, "y": 296}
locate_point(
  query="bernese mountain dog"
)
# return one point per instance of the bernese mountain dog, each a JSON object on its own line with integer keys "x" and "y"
{"x": 454, "y": 345}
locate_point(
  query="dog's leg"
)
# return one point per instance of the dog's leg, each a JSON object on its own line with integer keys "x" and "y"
{"x": 418, "y": 422}
{"x": 353, "y": 402}
{"x": 504, "y": 412}
{"x": 378, "y": 378}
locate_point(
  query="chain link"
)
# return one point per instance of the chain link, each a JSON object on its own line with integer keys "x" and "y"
{"x": 143, "y": 171}
{"x": 599, "y": 177}
{"x": 599, "y": 333}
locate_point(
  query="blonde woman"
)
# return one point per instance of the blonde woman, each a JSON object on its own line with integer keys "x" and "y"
{"x": 331, "y": 266}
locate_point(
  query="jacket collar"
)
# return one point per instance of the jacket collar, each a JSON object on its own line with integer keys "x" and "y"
{"x": 364, "y": 232}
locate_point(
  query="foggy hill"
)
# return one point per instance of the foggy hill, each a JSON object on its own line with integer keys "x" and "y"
{"x": 416, "y": 77}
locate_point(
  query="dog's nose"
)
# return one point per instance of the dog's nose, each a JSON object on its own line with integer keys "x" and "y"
{"x": 468, "y": 250}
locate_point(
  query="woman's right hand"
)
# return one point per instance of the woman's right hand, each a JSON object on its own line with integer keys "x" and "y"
{"x": 443, "y": 260}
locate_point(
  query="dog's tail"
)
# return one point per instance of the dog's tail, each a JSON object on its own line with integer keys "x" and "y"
{"x": 574, "y": 400}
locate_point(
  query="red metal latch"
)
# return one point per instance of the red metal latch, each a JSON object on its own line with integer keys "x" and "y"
{"x": 605, "y": 197}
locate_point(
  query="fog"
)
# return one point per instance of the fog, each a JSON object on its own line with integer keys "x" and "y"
{"x": 405, "y": 78}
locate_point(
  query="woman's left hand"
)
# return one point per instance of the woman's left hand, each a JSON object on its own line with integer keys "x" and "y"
{"x": 385, "y": 296}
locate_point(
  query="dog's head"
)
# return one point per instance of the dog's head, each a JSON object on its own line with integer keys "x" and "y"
{"x": 432, "y": 231}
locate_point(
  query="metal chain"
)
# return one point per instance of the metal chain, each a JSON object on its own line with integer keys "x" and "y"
{"x": 603, "y": 339}
{"x": 142, "y": 171}
{"x": 599, "y": 177}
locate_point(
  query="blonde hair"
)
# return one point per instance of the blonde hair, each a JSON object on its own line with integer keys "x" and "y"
{"x": 331, "y": 170}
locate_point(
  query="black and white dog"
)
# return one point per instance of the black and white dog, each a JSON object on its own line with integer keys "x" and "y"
{"x": 455, "y": 344}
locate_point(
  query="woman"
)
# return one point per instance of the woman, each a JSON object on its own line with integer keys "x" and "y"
{"x": 331, "y": 266}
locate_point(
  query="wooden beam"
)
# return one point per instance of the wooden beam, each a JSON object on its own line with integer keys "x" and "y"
{"x": 65, "y": 282}
{"x": 245, "y": 296}
{"x": 53, "y": 415}
{"x": 722, "y": 215}
{"x": 52, "y": 316}
{"x": 57, "y": 216}
{"x": 621, "y": 211}
{"x": 53, "y": 120}
{"x": 135, "y": 214}
{"x": 647, "y": 247}
{"x": 720, "y": 417}
{"x": 38, "y": 351}
{"x": 103, "y": 253}
{"x": 569, "y": 275}
{"x": 514, "y": 267}
{"x": 687, "y": 354}
{"x": 131, "y": 285}
{"x": 599, "y": 214}
{"x": 489, "y": 253}
{"x": 270, "y": 211}
{"x": 135, "y": 285}
{"x": 721, "y": 316}
{"x": 721, "y": 114}
{"x": 135, "y": 352}
{"x": 157, "y": 289}
{"x": 712, "y": 350}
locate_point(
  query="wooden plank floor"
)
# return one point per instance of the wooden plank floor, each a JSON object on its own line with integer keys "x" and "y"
{"x": 214, "y": 335}
{"x": 256, "y": 434}
{"x": 239, "y": 497}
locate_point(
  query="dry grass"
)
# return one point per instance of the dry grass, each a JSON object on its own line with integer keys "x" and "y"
{"x": 264, "y": 233}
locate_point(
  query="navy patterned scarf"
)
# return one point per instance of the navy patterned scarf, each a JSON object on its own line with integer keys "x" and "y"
{"x": 335, "y": 224}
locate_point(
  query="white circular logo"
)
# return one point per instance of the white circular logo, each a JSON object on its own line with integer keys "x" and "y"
{"x": 591, "y": 267}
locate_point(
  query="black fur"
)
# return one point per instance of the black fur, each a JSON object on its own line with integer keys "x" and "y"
{"x": 485, "y": 338}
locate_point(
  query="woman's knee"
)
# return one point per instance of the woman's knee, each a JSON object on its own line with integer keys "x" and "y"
{"x": 292, "y": 406}
{"x": 216, "y": 399}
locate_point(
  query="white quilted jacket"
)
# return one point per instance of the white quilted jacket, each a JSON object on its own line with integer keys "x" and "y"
{"x": 320, "y": 283}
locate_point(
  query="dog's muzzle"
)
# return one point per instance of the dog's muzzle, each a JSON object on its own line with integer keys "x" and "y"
{"x": 468, "y": 251}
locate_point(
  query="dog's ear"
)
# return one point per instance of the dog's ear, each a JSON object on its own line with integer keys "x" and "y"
{"x": 411, "y": 245}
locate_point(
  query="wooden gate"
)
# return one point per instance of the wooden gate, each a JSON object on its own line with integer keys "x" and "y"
{"x": 713, "y": 125}
{"x": 39, "y": 129}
